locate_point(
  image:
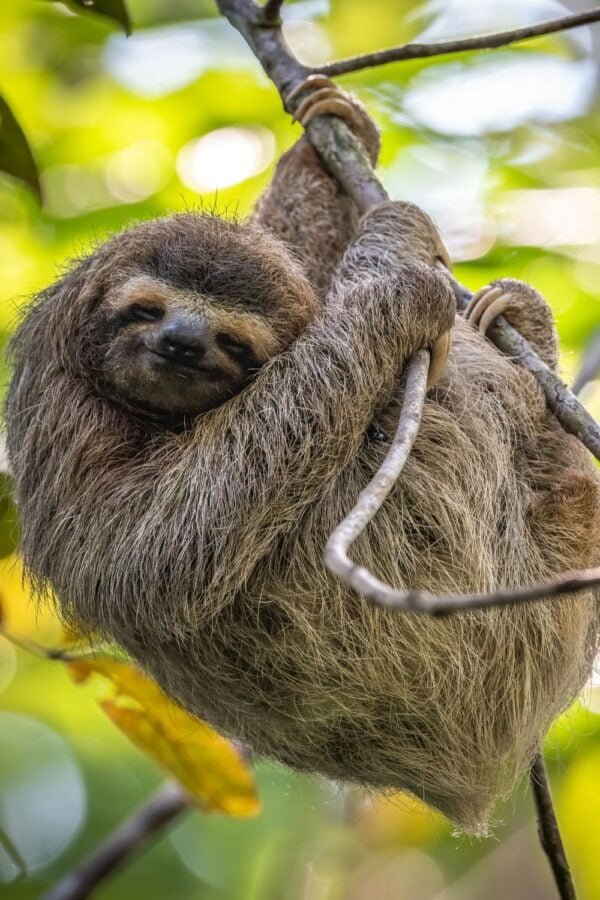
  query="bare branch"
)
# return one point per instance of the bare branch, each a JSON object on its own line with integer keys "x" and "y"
{"x": 370, "y": 501}
{"x": 590, "y": 365}
{"x": 572, "y": 415}
{"x": 440, "y": 48}
{"x": 548, "y": 829}
{"x": 128, "y": 839}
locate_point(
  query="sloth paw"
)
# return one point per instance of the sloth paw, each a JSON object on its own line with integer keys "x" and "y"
{"x": 523, "y": 308}
{"x": 327, "y": 99}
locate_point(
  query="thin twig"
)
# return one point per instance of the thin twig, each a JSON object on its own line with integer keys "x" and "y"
{"x": 440, "y": 48}
{"x": 128, "y": 839}
{"x": 370, "y": 501}
{"x": 572, "y": 415}
{"x": 548, "y": 830}
{"x": 590, "y": 364}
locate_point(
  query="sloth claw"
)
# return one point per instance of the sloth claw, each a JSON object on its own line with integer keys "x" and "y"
{"x": 439, "y": 358}
{"x": 310, "y": 82}
{"x": 333, "y": 106}
{"x": 326, "y": 98}
{"x": 323, "y": 96}
{"x": 486, "y": 305}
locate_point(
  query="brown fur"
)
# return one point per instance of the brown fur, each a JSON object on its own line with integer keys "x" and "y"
{"x": 199, "y": 548}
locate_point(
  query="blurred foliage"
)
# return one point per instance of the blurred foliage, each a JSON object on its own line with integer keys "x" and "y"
{"x": 503, "y": 150}
{"x": 16, "y": 157}
{"x": 113, "y": 9}
{"x": 212, "y": 771}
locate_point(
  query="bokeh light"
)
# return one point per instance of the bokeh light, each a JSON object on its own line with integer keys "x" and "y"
{"x": 42, "y": 795}
{"x": 225, "y": 157}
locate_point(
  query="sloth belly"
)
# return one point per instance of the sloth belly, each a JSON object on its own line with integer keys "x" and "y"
{"x": 451, "y": 710}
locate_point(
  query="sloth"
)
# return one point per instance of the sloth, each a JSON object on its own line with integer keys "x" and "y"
{"x": 197, "y": 404}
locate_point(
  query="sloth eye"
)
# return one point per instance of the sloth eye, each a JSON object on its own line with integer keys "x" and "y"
{"x": 232, "y": 344}
{"x": 140, "y": 313}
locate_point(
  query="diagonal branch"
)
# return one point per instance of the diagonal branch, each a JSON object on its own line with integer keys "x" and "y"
{"x": 344, "y": 157}
{"x": 370, "y": 501}
{"x": 590, "y": 365}
{"x": 460, "y": 45}
{"x": 548, "y": 830}
{"x": 129, "y": 838}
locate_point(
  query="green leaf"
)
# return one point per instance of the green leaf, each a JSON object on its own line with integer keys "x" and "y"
{"x": 9, "y": 527}
{"x": 16, "y": 158}
{"x": 112, "y": 9}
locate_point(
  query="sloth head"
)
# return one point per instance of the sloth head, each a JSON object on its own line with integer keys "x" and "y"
{"x": 175, "y": 316}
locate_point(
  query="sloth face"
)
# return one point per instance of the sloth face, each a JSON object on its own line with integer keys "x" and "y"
{"x": 177, "y": 351}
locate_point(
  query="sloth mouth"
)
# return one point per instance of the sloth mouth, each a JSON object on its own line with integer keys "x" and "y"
{"x": 188, "y": 366}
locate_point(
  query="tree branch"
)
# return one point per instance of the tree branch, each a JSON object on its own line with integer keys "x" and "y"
{"x": 440, "y": 48}
{"x": 128, "y": 839}
{"x": 548, "y": 830}
{"x": 344, "y": 157}
{"x": 590, "y": 364}
{"x": 370, "y": 501}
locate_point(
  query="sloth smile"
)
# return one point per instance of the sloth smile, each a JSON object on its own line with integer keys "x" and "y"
{"x": 190, "y": 367}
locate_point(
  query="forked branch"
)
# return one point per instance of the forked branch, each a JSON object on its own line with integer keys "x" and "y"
{"x": 271, "y": 12}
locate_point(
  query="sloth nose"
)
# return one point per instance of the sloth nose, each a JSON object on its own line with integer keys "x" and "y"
{"x": 183, "y": 340}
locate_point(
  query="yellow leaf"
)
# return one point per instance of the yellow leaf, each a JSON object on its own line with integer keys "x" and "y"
{"x": 21, "y": 616}
{"x": 207, "y": 765}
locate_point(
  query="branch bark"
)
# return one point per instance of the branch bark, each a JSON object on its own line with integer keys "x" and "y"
{"x": 590, "y": 364}
{"x": 442, "y": 48}
{"x": 271, "y": 12}
{"x": 128, "y": 839}
{"x": 548, "y": 830}
{"x": 370, "y": 501}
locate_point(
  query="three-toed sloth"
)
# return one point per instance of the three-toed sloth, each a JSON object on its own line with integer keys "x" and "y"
{"x": 191, "y": 414}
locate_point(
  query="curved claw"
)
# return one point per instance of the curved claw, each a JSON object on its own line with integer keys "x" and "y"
{"x": 325, "y": 93}
{"x": 493, "y": 310}
{"x": 334, "y": 107}
{"x": 486, "y": 305}
{"x": 310, "y": 82}
{"x": 439, "y": 358}
{"x": 326, "y": 98}
{"x": 472, "y": 313}
{"x": 479, "y": 302}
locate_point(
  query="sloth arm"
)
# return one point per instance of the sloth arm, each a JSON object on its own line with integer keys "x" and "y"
{"x": 277, "y": 447}
{"x": 306, "y": 209}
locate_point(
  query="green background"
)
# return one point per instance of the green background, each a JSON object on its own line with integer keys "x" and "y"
{"x": 503, "y": 149}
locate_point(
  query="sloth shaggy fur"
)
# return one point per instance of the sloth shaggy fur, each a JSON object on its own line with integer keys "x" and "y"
{"x": 198, "y": 546}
